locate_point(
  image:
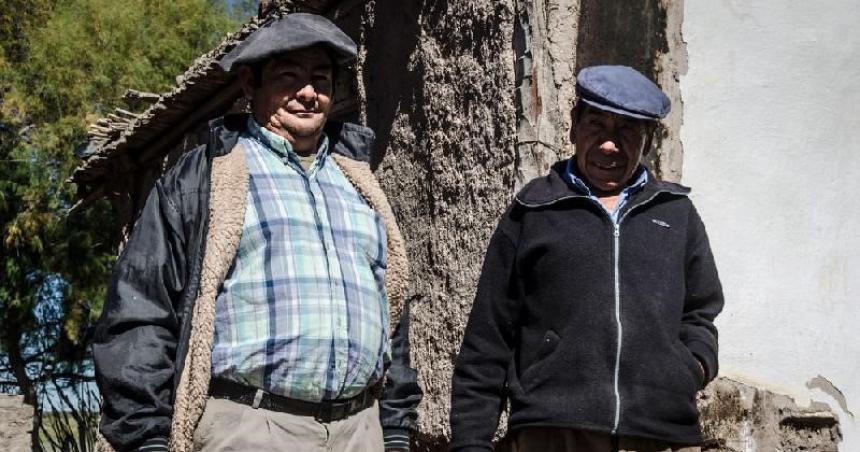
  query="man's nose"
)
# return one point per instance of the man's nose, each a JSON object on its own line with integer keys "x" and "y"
{"x": 306, "y": 93}
{"x": 609, "y": 147}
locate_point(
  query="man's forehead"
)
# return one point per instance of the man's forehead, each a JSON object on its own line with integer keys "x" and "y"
{"x": 317, "y": 57}
{"x": 603, "y": 114}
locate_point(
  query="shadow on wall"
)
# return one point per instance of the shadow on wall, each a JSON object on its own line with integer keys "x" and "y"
{"x": 614, "y": 33}
{"x": 391, "y": 86}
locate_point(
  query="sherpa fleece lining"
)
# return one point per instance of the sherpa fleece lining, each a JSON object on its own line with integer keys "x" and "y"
{"x": 229, "y": 188}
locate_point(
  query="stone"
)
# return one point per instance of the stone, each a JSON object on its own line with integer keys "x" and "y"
{"x": 737, "y": 417}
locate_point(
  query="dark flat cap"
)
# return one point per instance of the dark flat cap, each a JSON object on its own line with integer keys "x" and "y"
{"x": 291, "y": 32}
{"x": 622, "y": 90}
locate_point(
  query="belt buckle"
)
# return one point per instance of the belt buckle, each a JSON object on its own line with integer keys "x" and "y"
{"x": 324, "y": 413}
{"x": 258, "y": 398}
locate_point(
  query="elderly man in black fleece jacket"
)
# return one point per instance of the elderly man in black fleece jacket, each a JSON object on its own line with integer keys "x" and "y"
{"x": 594, "y": 312}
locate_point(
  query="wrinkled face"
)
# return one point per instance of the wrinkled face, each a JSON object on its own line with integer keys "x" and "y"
{"x": 608, "y": 148}
{"x": 293, "y": 98}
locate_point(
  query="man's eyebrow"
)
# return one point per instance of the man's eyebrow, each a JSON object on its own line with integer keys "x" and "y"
{"x": 290, "y": 62}
{"x": 635, "y": 123}
{"x": 281, "y": 62}
{"x": 323, "y": 63}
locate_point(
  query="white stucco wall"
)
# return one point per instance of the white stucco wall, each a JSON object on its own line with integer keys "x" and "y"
{"x": 772, "y": 150}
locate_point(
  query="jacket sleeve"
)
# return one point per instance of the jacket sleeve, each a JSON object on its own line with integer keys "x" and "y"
{"x": 480, "y": 372}
{"x": 704, "y": 298}
{"x": 136, "y": 336}
{"x": 398, "y": 408}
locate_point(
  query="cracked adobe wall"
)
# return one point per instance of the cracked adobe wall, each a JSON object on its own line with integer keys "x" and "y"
{"x": 437, "y": 80}
{"x": 741, "y": 418}
{"x": 771, "y": 135}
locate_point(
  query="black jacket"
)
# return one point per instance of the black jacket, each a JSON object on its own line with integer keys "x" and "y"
{"x": 142, "y": 336}
{"x": 583, "y": 325}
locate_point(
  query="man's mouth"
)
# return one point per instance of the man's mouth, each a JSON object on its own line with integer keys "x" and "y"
{"x": 609, "y": 166}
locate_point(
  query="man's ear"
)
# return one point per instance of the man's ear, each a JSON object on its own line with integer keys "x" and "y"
{"x": 246, "y": 81}
{"x": 648, "y": 140}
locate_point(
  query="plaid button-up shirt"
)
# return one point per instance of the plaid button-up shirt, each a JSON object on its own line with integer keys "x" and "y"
{"x": 303, "y": 312}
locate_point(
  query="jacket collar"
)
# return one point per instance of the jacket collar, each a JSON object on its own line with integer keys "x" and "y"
{"x": 639, "y": 178}
{"x": 553, "y": 187}
{"x": 348, "y": 139}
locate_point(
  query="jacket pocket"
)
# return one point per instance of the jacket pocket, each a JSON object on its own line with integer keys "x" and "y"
{"x": 691, "y": 363}
{"x": 547, "y": 346}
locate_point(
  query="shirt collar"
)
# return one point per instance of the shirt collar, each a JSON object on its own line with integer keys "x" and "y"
{"x": 637, "y": 181}
{"x": 279, "y": 144}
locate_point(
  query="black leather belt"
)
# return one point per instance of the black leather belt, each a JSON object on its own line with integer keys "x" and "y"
{"x": 325, "y": 411}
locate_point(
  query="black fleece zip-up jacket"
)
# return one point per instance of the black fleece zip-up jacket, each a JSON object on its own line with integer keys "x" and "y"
{"x": 583, "y": 323}
{"x": 142, "y": 338}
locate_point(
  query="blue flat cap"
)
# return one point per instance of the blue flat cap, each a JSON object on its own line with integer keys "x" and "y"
{"x": 622, "y": 90}
{"x": 291, "y": 32}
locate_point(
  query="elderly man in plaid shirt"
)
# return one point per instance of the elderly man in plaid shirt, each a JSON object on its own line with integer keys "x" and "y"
{"x": 254, "y": 306}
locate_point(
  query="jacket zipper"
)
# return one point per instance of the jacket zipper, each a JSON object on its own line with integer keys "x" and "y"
{"x": 616, "y": 239}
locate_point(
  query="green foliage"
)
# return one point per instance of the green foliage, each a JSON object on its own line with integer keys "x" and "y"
{"x": 16, "y": 17}
{"x": 78, "y": 59}
{"x": 63, "y": 65}
{"x": 90, "y": 51}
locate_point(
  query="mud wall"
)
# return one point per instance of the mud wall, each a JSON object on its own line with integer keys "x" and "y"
{"x": 438, "y": 81}
{"x": 737, "y": 417}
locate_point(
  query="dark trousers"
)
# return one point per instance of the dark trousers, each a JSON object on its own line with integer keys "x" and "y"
{"x": 548, "y": 439}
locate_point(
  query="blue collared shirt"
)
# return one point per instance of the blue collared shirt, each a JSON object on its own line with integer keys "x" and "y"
{"x": 637, "y": 181}
{"x": 303, "y": 312}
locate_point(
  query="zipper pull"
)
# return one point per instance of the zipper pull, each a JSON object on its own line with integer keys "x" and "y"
{"x": 616, "y": 232}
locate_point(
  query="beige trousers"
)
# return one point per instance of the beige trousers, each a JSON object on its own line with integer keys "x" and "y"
{"x": 228, "y": 426}
{"x": 545, "y": 439}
